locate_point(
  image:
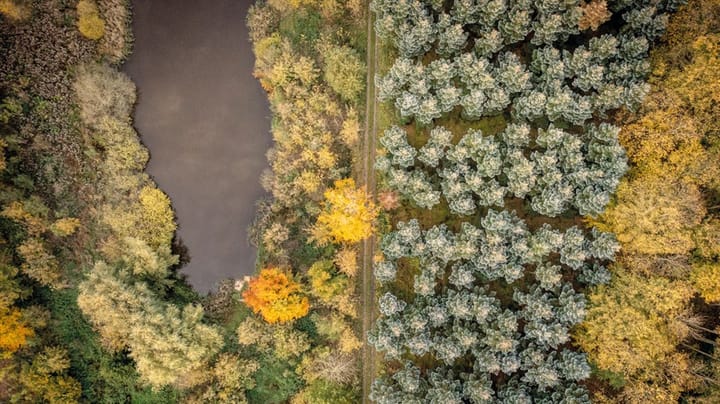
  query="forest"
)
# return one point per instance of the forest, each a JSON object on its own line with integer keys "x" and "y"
{"x": 556, "y": 166}
{"x": 94, "y": 308}
{"x": 542, "y": 215}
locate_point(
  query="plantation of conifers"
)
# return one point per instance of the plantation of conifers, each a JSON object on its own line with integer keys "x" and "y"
{"x": 504, "y": 146}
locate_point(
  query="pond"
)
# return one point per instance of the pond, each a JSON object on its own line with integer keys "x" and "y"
{"x": 206, "y": 121}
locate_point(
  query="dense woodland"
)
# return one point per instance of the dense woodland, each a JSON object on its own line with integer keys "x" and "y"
{"x": 310, "y": 58}
{"x": 546, "y": 210}
{"x": 93, "y": 308}
{"x": 556, "y": 166}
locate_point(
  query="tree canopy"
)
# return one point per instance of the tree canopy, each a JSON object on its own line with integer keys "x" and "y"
{"x": 275, "y": 296}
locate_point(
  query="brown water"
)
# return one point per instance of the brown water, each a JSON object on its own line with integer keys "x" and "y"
{"x": 206, "y": 122}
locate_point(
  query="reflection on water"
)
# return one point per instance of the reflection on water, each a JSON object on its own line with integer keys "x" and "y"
{"x": 206, "y": 122}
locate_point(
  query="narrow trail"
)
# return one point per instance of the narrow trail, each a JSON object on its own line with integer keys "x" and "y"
{"x": 368, "y": 180}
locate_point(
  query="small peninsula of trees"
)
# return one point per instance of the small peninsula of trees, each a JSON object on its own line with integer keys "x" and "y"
{"x": 310, "y": 58}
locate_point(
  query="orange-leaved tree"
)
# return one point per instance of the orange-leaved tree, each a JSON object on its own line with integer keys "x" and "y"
{"x": 348, "y": 214}
{"x": 275, "y": 296}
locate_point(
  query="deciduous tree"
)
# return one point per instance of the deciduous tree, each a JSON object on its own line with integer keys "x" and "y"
{"x": 594, "y": 14}
{"x": 344, "y": 71}
{"x": 325, "y": 392}
{"x": 14, "y": 332}
{"x": 325, "y": 282}
{"x": 40, "y": 264}
{"x": 90, "y": 24}
{"x": 652, "y": 216}
{"x": 346, "y": 261}
{"x": 275, "y": 296}
{"x": 630, "y": 327}
{"x": 46, "y": 379}
{"x": 705, "y": 276}
{"x": 14, "y": 9}
{"x": 348, "y": 214}
{"x": 165, "y": 341}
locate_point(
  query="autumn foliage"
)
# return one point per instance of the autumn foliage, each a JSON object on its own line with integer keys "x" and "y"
{"x": 276, "y": 297}
{"x": 90, "y": 24}
{"x": 594, "y": 14}
{"x": 348, "y": 214}
{"x": 14, "y": 10}
{"x": 14, "y": 333}
{"x": 644, "y": 327}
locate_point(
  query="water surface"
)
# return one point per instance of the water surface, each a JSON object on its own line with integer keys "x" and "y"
{"x": 206, "y": 122}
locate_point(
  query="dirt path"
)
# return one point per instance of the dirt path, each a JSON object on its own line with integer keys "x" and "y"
{"x": 206, "y": 122}
{"x": 368, "y": 177}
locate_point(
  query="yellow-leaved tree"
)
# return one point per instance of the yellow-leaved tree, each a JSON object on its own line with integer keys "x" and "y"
{"x": 150, "y": 219}
{"x": 633, "y": 328}
{"x": 44, "y": 233}
{"x": 653, "y": 216}
{"x": 14, "y": 9}
{"x": 325, "y": 282}
{"x": 705, "y": 276}
{"x": 640, "y": 328}
{"x": 348, "y": 214}
{"x": 14, "y": 332}
{"x": 166, "y": 342}
{"x": 157, "y": 216}
{"x": 46, "y": 379}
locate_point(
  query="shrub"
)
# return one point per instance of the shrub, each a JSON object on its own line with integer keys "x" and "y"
{"x": 14, "y": 10}
{"x": 103, "y": 92}
{"x": 89, "y": 22}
